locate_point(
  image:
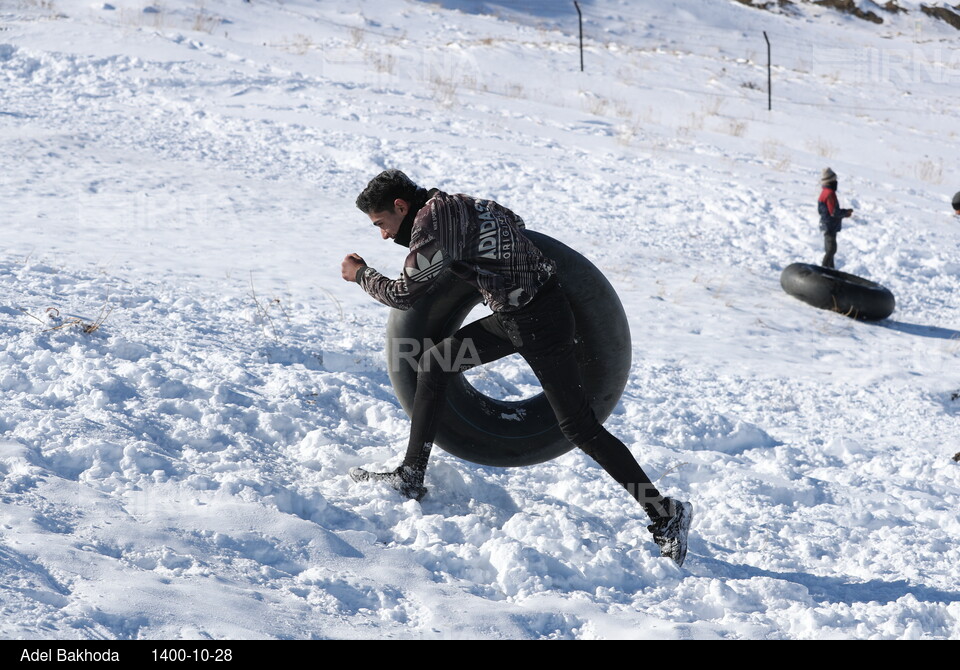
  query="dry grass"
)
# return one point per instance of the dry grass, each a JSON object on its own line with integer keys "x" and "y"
{"x": 930, "y": 170}
{"x": 300, "y": 44}
{"x": 335, "y": 301}
{"x": 673, "y": 468}
{"x": 156, "y": 16}
{"x": 356, "y": 36}
{"x": 263, "y": 313}
{"x": 444, "y": 91}
{"x": 714, "y": 106}
{"x": 86, "y": 327}
{"x": 470, "y": 82}
{"x": 695, "y": 123}
{"x": 516, "y": 91}
{"x": 205, "y": 23}
{"x": 38, "y": 4}
{"x": 736, "y": 127}
{"x": 628, "y": 132}
{"x": 48, "y": 6}
{"x": 153, "y": 16}
{"x": 623, "y": 110}
{"x": 594, "y": 104}
{"x": 775, "y": 154}
{"x": 821, "y": 147}
{"x": 381, "y": 62}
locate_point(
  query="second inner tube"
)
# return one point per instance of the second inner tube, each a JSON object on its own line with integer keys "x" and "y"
{"x": 847, "y": 294}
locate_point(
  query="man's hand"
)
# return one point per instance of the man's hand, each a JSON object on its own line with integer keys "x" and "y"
{"x": 847, "y": 213}
{"x": 351, "y": 263}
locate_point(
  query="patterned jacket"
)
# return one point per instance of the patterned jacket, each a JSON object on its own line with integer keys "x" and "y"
{"x": 480, "y": 241}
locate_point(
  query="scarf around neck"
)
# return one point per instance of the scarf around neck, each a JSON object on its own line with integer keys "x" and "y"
{"x": 418, "y": 202}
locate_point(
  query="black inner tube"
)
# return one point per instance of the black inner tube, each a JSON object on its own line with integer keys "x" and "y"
{"x": 830, "y": 289}
{"x": 507, "y": 433}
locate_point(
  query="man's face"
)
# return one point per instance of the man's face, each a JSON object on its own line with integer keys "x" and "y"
{"x": 389, "y": 222}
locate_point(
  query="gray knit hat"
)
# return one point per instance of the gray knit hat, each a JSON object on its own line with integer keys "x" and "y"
{"x": 827, "y": 176}
{"x": 956, "y": 201}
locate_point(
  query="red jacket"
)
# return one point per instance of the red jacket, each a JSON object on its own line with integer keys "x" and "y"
{"x": 831, "y": 216}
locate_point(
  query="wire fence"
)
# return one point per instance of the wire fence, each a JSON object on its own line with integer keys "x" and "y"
{"x": 558, "y": 24}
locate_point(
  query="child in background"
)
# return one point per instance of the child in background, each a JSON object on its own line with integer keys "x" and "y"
{"x": 831, "y": 216}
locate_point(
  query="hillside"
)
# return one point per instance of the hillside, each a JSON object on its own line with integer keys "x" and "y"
{"x": 179, "y": 180}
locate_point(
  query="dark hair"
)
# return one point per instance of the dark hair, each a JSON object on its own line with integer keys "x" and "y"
{"x": 956, "y": 201}
{"x": 384, "y": 189}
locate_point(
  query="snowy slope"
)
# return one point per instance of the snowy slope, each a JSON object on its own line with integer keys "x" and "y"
{"x": 182, "y": 175}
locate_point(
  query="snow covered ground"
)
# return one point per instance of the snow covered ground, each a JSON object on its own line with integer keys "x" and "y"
{"x": 179, "y": 180}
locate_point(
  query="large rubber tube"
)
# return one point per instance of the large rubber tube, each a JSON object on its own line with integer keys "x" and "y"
{"x": 837, "y": 291}
{"x": 504, "y": 433}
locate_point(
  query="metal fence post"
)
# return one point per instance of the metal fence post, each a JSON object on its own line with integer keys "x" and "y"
{"x": 769, "y": 75}
{"x": 580, "y": 19}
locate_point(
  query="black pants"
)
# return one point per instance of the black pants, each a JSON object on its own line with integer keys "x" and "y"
{"x": 542, "y": 332}
{"x": 830, "y": 246}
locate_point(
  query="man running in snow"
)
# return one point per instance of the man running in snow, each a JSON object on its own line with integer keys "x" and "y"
{"x": 531, "y": 316}
{"x": 831, "y": 216}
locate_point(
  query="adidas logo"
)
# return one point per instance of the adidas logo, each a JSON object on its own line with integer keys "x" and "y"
{"x": 426, "y": 268}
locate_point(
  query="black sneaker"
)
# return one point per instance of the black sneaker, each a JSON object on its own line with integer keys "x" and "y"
{"x": 403, "y": 479}
{"x": 670, "y": 532}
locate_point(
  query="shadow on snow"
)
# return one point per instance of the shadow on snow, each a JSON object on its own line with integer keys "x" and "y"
{"x": 826, "y": 589}
{"x": 920, "y": 331}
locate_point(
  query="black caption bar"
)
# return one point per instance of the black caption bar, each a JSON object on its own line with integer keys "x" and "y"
{"x": 37, "y": 654}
